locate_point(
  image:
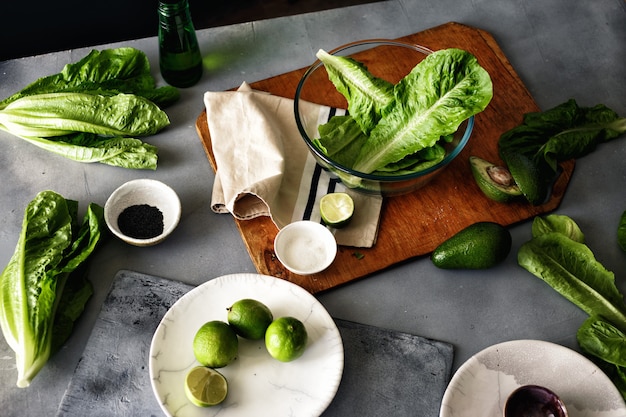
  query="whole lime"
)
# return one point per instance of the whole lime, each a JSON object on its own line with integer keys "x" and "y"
{"x": 249, "y": 318}
{"x": 286, "y": 338}
{"x": 215, "y": 344}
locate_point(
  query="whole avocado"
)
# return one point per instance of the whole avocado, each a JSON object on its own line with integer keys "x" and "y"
{"x": 479, "y": 246}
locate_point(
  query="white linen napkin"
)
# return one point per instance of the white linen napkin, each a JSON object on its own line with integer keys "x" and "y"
{"x": 264, "y": 168}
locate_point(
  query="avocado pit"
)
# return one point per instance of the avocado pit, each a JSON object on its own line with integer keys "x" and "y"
{"x": 500, "y": 175}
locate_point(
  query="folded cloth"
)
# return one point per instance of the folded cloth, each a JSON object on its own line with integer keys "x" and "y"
{"x": 264, "y": 168}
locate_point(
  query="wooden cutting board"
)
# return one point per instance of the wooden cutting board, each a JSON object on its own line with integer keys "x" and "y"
{"x": 413, "y": 225}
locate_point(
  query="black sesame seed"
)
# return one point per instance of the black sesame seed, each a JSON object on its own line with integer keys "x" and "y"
{"x": 141, "y": 221}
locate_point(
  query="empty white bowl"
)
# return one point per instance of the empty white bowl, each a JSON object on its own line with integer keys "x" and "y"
{"x": 305, "y": 247}
{"x": 152, "y": 193}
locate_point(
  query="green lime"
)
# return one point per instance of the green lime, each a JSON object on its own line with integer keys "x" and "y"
{"x": 336, "y": 209}
{"x": 205, "y": 387}
{"x": 215, "y": 344}
{"x": 479, "y": 246}
{"x": 285, "y": 339}
{"x": 249, "y": 318}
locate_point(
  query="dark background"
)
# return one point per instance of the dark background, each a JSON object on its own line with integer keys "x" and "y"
{"x": 35, "y": 27}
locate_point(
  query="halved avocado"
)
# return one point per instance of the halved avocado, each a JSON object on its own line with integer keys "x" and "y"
{"x": 495, "y": 181}
{"x": 528, "y": 176}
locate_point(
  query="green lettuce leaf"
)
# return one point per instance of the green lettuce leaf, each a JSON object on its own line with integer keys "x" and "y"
{"x": 106, "y": 72}
{"x": 562, "y": 132}
{"x": 571, "y": 269}
{"x": 417, "y": 161}
{"x": 557, "y": 223}
{"x": 77, "y": 289}
{"x": 57, "y": 114}
{"x": 368, "y": 96}
{"x": 341, "y": 139}
{"x": 442, "y": 91}
{"x": 400, "y": 123}
{"x": 601, "y": 339}
{"x": 51, "y": 247}
{"x": 557, "y": 255}
{"x": 109, "y": 93}
{"x": 89, "y": 148}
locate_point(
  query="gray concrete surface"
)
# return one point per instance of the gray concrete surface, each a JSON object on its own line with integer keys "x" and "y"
{"x": 560, "y": 49}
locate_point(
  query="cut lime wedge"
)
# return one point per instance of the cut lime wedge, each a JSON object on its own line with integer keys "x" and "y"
{"x": 205, "y": 387}
{"x": 336, "y": 209}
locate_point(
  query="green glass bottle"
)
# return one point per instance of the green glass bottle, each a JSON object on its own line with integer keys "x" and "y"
{"x": 179, "y": 55}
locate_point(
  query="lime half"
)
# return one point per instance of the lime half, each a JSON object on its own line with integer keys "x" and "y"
{"x": 336, "y": 209}
{"x": 205, "y": 387}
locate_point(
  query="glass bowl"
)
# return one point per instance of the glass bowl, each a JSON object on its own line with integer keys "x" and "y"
{"x": 380, "y": 58}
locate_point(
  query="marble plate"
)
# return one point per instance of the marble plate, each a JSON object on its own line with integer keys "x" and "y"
{"x": 482, "y": 384}
{"x": 257, "y": 382}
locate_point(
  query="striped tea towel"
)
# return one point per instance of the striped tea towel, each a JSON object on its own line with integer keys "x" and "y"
{"x": 264, "y": 168}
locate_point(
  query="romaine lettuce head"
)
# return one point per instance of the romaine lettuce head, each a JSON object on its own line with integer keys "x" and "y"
{"x": 50, "y": 248}
{"x": 404, "y": 120}
{"x": 446, "y": 88}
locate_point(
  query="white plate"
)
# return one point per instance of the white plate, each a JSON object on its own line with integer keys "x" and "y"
{"x": 257, "y": 383}
{"x": 482, "y": 384}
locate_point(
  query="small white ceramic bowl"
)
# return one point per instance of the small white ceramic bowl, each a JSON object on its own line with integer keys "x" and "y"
{"x": 138, "y": 192}
{"x": 305, "y": 247}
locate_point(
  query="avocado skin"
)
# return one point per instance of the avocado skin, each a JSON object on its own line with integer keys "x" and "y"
{"x": 529, "y": 176}
{"x": 479, "y": 246}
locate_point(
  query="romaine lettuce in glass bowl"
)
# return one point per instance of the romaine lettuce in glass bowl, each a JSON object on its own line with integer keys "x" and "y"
{"x": 399, "y": 113}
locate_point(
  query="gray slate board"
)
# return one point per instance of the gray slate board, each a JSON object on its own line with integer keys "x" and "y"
{"x": 385, "y": 373}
